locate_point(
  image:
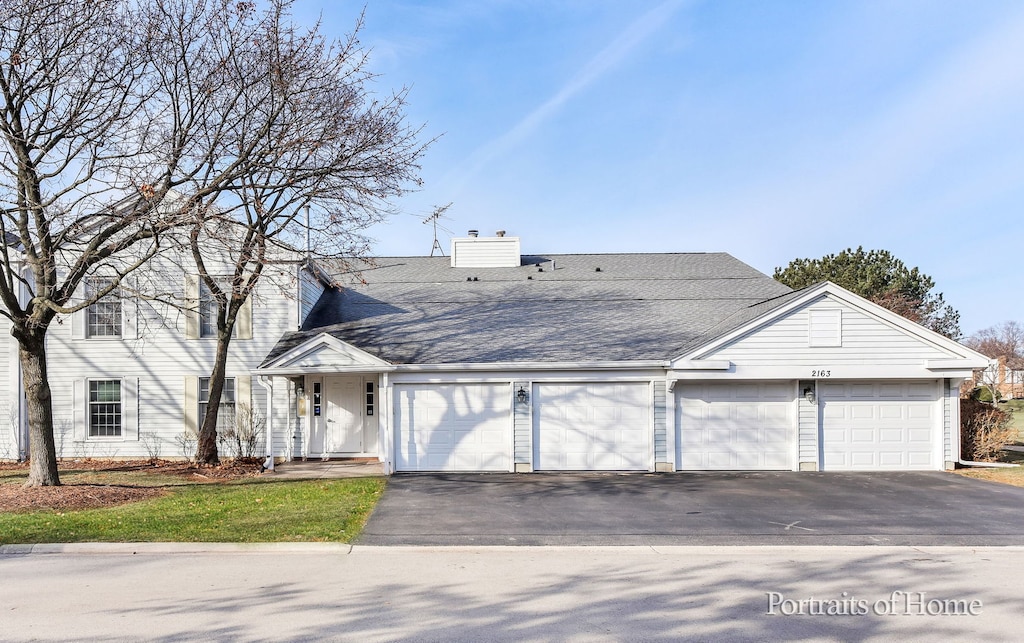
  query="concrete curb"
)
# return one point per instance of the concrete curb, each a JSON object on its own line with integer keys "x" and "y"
{"x": 175, "y": 548}
{"x": 346, "y": 549}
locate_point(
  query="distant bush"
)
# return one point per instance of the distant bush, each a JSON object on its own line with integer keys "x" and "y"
{"x": 982, "y": 394}
{"x": 984, "y": 431}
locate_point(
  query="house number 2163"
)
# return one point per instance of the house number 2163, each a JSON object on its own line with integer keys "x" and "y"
{"x": 821, "y": 373}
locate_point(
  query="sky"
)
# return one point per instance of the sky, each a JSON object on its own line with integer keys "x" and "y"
{"x": 768, "y": 130}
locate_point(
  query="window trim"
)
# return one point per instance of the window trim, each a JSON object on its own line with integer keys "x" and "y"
{"x": 90, "y": 287}
{"x": 201, "y": 404}
{"x": 121, "y": 426}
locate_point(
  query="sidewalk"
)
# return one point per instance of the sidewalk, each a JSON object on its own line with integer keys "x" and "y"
{"x": 329, "y": 469}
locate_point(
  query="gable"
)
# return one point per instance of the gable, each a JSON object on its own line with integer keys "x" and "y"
{"x": 826, "y": 331}
{"x": 324, "y": 353}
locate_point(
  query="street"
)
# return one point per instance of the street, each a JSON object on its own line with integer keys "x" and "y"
{"x": 172, "y": 592}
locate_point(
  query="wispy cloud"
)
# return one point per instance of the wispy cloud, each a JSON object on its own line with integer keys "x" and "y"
{"x": 605, "y": 60}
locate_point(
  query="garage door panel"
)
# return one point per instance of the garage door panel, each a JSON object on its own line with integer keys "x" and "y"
{"x": 452, "y": 427}
{"x": 607, "y": 429}
{"x": 736, "y": 426}
{"x": 879, "y": 426}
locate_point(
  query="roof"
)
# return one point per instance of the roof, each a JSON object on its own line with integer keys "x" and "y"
{"x": 590, "y": 307}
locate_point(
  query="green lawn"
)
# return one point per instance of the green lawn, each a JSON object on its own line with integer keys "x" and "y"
{"x": 250, "y": 510}
{"x": 1016, "y": 409}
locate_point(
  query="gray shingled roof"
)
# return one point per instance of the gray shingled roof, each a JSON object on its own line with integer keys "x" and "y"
{"x": 420, "y": 310}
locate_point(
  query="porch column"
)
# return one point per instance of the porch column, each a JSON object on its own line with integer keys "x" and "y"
{"x": 268, "y": 383}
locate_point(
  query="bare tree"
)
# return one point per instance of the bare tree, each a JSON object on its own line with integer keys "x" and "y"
{"x": 324, "y": 156}
{"x": 125, "y": 121}
{"x": 1003, "y": 342}
{"x": 72, "y": 149}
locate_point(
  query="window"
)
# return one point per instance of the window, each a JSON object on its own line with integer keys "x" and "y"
{"x": 103, "y": 318}
{"x": 207, "y": 311}
{"x": 226, "y": 415}
{"x": 104, "y": 408}
{"x": 369, "y": 398}
{"x": 317, "y": 399}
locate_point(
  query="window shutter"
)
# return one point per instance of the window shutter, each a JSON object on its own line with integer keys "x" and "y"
{"x": 78, "y": 404}
{"x": 191, "y": 410}
{"x": 78, "y": 318}
{"x": 243, "y": 390}
{"x": 130, "y": 317}
{"x": 130, "y": 408}
{"x": 243, "y": 325}
{"x": 191, "y": 306}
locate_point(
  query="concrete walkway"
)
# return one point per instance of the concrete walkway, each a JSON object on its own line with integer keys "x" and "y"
{"x": 323, "y": 470}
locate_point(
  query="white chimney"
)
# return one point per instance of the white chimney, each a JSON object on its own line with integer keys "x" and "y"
{"x": 475, "y": 251}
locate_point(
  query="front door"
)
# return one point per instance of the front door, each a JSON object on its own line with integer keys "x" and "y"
{"x": 340, "y": 429}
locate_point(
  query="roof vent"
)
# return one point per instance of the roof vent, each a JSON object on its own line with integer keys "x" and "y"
{"x": 474, "y": 233}
{"x": 499, "y": 233}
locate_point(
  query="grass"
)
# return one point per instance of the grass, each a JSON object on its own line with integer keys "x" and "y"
{"x": 1016, "y": 410}
{"x": 242, "y": 511}
{"x": 1007, "y": 475}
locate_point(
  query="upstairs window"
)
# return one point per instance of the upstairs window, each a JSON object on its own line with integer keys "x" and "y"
{"x": 103, "y": 317}
{"x": 207, "y": 311}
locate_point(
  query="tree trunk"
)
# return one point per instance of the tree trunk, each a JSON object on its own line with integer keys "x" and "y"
{"x": 206, "y": 450}
{"x": 42, "y": 453}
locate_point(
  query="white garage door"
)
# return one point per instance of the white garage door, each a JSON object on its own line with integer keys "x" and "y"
{"x": 736, "y": 426}
{"x": 453, "y": 427}
{"x": 878, "y": 426}
{"x": 592, "y": 427}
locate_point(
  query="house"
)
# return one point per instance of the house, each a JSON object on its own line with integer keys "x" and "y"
{"x": 1001, "y": 375}
{"x": 491, "y": 360}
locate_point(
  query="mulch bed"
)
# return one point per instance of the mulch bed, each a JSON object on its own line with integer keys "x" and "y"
{"x": 70, "y": 497}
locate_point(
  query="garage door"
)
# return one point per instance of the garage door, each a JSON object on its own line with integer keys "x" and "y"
{"x": 736, "y": 426}
{"x": 453, "y": 427}
{"x": 879, "y": 426}
{"x": 592, "y": 427}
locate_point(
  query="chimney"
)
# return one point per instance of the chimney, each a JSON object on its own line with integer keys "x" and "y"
{"x": 474, "y": 233}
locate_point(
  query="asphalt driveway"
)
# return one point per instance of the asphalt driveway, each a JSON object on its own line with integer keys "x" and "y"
{"x": 696, "y": 509}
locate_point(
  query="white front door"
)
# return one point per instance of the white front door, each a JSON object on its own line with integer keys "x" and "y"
{"x": 592, "y": 427}
{"x": 339, "y": 429}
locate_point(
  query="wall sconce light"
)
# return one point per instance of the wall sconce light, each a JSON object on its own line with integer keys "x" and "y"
{"x": 522, "y": 395}
{"x": 300, "y": 392}
{"x": 809, "y": 395}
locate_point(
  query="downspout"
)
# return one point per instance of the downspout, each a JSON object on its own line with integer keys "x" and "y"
{"x": 268, "y": 383}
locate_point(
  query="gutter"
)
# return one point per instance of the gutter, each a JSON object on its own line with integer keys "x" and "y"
{"x": 995, "y": 465}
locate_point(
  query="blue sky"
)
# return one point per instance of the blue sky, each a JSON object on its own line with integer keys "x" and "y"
{"x": 768, "y": 130}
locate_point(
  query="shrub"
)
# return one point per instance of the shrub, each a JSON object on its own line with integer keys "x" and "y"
{"x": 984, "y": 430}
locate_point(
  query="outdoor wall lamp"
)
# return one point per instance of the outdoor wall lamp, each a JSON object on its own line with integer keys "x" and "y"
{"x": 809, "y": 395}
{"x": 521, "y": 395}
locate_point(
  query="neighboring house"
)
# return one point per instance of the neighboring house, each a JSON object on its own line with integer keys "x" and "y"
{"x": 1008, "y": 381}
{"x": 494, "y": 361}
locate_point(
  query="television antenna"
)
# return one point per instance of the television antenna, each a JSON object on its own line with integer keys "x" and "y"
{"x": 433, "y": 219}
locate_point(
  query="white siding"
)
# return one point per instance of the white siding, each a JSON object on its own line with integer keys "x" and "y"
{"x": 660, "y": 423}
{"x": 522, "y": 425}
{"x": 864, "y": 339}
{"x": 310, "y": 289}
{"x": 159, "y": 361}
{"x": 9, "y": 421}
{"x": 808, "y": 423}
